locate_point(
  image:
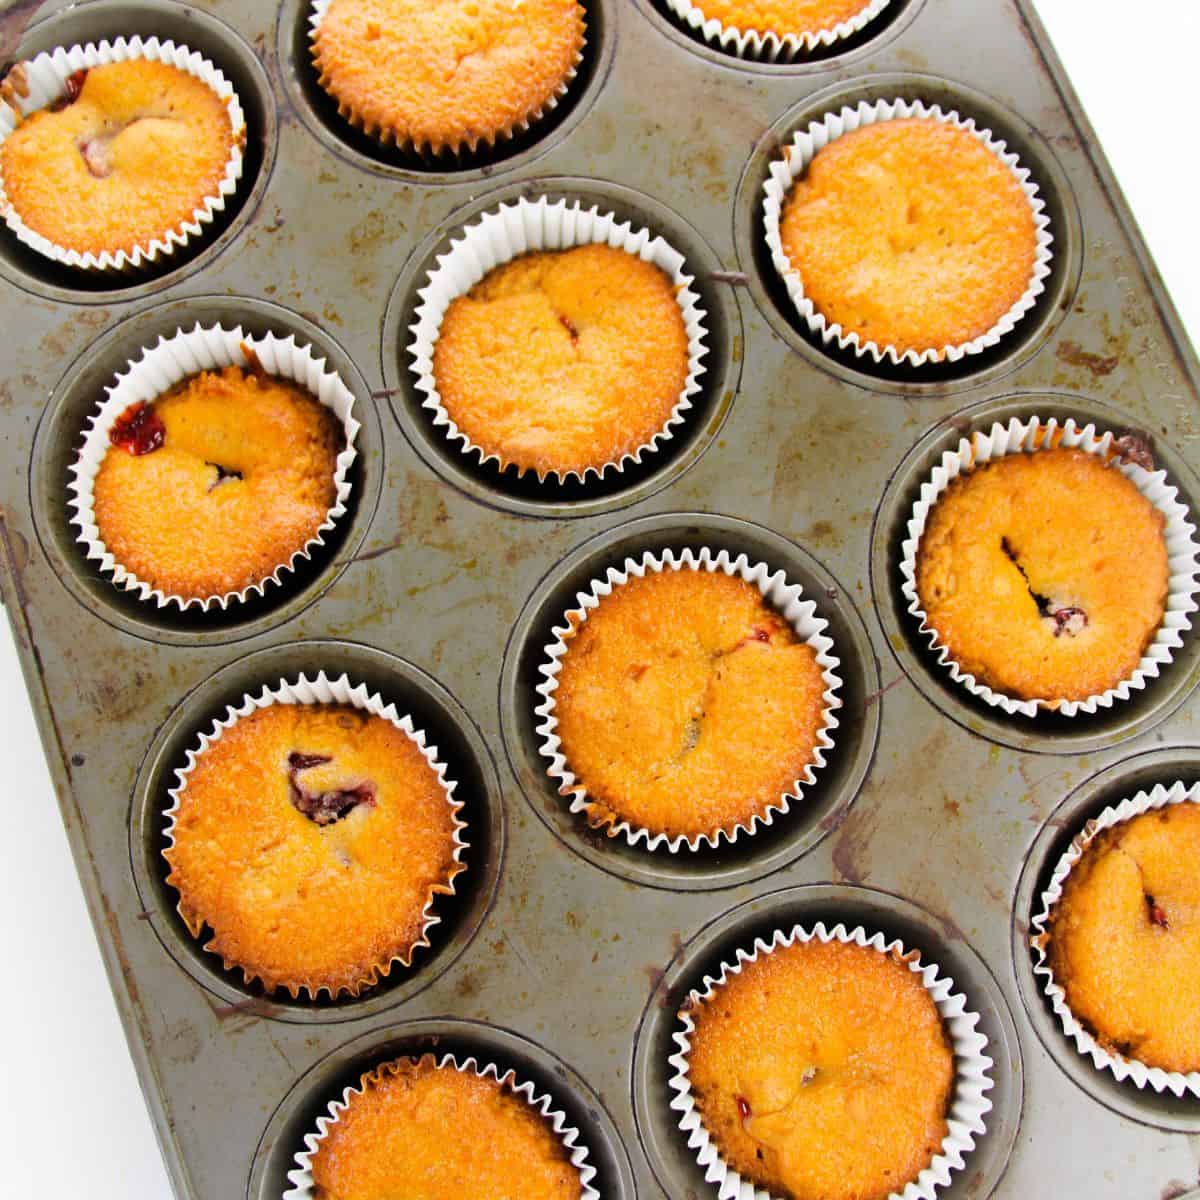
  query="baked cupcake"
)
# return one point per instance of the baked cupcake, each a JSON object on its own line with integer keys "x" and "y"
{"x": 415, "y": 1127}
{"x": 133, "y": 155}
{"x": 561, "y": 362}
{"x": 211, "y": 487}
{"x": 685, "y": 706}
{"x": 1123, "y": 940}
{"x": 311, "y": 839}
{"x": 444, "y": 76}
{"x": 1044, "y": 575}
{"x": 908, "y": 235}
{"x": 822, "y": 1071}
{"x": 783, "y": 18}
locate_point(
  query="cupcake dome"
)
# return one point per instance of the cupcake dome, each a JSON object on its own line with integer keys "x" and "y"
{"x": 132, "y": 153}
{"x": 208, "y": 489}
{"x": 782, "y": 17}
{"x": 417, "y": 1128}
{"x": 311, "y": 839}
{"x": 1124, "y": 938}
{"x": 1044, "y": 574}
{"x": 686, "y": 705}
{"x": 823, "y": 1071}
{"x": 911, "y": 234}
{"x": 564, "y": 361}
{"x": 444, "y": 76}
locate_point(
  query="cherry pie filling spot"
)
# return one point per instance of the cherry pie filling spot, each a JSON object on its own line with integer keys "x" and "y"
{"x": 324, "y": 807}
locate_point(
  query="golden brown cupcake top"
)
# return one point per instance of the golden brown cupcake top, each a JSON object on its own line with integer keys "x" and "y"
{"x": 781, "y": 16}
{"x": 239, "y": 479}
{"x": 1044, "y": 574}
{"x": 823, "y": 1072}
{"x": 560, "y": 361}
{"x": 437, "y": 1133}
{"x": 686, "y": 705}
{"x": 137, "y": 151}
{"x": 910, "y": 233}
{"x": 309, "y": 838}
{"x": 450, "y": 74}
{"x": 1124, "y": 939}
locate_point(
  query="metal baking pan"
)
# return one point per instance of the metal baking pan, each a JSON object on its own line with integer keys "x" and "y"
{"x": 565, "y": 954}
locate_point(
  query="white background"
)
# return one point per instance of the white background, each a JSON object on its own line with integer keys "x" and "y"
{"x": 72, "y": 1121}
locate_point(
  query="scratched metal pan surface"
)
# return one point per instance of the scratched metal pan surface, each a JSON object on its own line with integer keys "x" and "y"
{"x": 565, "y": 955}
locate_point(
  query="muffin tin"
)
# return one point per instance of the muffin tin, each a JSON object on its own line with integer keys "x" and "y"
{"x": 564, "y": 954}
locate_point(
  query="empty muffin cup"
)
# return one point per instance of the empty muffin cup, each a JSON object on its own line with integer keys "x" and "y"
{"x": 329, "y": 805}
{"x": 1125, "y": 454}
{"x": 304, "y": 1187}
{"x": 1125, "y": 1068}
{"x": 52, "y": 80}
{"x": 504, "y": 235}
{"x": 793, "y": 166}
{"x": 968, "y": 1103}
{"x": 784, "y": 603}
{"x": 770, "y": 45}
{"x": 128, "y": 406}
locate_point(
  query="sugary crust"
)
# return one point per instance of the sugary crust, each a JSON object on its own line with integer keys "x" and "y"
{"x": 560, "y": 361}
{"x": 167, "y": 519}
{"x": 1056, "y": 523}
{"x": 823, "y": 1072}
{"x": 1125, "y": 938}
{"x": 163, "y": 136}
{"x": 293, "y": 903}
{"x": 686, "y": 705}
{"x": 441, "y": 1134}
{"x": 910, "y": 233}
{"x": 446, "y": 75}
{"x": 781, "y": 16}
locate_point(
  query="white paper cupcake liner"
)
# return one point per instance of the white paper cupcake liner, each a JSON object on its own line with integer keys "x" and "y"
{"x": 766, "y": 46}
{"x": 45, "y": 81}
{"x": 505, "y": 233}
{"x": 1140, "y": 1074}
{"x": 969, "y": 1104}
{"x": 301, "y": 1178}
{"x": 794, "y": 163}
{"x": 785, "y": 598}
{"x": 170, "y": 360}
{"x": 323, "y": 690}
{"x": 1018, "y": 437}
{"x": 387, "y": 137}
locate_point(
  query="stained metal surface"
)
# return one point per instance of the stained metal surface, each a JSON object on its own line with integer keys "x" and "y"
{"x": 566, "y": 953}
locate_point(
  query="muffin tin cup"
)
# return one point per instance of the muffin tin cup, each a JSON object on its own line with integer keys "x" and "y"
{"x": 767, "y": 46}
{"x": 387, "y": 137}
{"x": 794, "y": 163}
{"x": 505, "y": 233}
{"x": 1024, "y": 435}
{"x": 323, "y": 690}
{"x": 301, "y": 1178}
{"x": 161, "y": 367}
{"x": 969, "y": 1104}
{"x": 45, "y": 82}
{"x": 786, "y": 598}
{"x": 1178, "y": 1083}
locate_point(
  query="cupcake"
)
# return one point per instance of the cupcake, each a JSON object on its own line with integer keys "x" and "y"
{"x": 911, "y": 234}
{"x": 822, "y": 1070}
{"x": 128, "y": 158}
{"x": 1044, "y": 575}
{"x": 563, "y": 361}
{"x": 440, "y": 77}
{"x": 681, "y": 706}
{"x": 419, "y": 1127}
{"x": 311, "y": 839}
{"x": 776, "y": 28}
{"x": 1123, "y": 938}
{"x": 207, "y": 489}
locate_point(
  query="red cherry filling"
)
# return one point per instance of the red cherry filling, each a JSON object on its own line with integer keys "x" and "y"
{"x": 1067, "y": 618}
{"x": 138, "y": 430}
{"x": 1158, "y": 915}
{"x": 72, "y": 86}
{"x": 1135, "y": 448}
{"x": 324, "y": 808}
